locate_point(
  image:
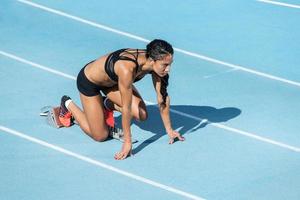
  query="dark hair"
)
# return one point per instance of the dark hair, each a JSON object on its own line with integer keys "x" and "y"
{"x": 157, "y": 49}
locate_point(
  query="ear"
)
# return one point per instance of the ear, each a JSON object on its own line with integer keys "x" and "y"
{"x": 151, "y": 61}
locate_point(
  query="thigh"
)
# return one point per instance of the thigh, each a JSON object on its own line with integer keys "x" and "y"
{"x": 94, "y": 113}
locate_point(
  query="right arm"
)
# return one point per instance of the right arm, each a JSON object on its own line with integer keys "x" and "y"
{"x": 125, "y": 74}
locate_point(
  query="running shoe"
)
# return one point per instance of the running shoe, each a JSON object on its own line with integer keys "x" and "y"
{"x": 116, "y": 133}
{"x": 108, "y": 114}
{"x": 65, "y": 116}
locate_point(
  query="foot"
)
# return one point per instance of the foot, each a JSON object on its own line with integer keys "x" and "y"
{"x": 108, "y": 114}
{"x": 65, "y": 116}
{"x": 115, "y": 133}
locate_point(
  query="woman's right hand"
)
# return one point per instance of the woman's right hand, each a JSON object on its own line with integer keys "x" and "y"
{"x": 125, "y": 152}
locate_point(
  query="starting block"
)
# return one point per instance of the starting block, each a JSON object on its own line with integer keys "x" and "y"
{"x": 52, "y": 116}
{"x": 51, "y": 113}
{"x": 117, "y": 133}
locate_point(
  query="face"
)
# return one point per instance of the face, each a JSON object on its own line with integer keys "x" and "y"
{"x": 162, "y": 67}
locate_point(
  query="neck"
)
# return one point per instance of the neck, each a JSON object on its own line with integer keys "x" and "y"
{"x": 146, "y": 64}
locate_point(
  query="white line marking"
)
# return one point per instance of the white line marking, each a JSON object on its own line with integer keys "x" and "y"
{"x": 260, "y": 138}
{"x": 94, "y": 24}
{"x": 37, "y": 65}
{"x": 219, "y": 73}
{"x": 280, "y": 3}
{"x": 100, "y": 164}
{"x": 240, "y": 132}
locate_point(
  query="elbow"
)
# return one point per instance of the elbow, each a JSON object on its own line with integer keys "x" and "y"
{"x": 163, "y": 102}
{"x": 160, "y": 100}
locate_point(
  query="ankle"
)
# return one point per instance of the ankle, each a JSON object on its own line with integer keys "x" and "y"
{"x": 108, "y": 105}
{"x": 67, "y": 103}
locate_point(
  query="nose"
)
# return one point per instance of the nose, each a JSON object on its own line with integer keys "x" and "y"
{"x": 167, "y": 69}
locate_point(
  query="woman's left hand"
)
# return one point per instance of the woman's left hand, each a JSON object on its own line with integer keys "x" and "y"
{"x": 173, "y": 135}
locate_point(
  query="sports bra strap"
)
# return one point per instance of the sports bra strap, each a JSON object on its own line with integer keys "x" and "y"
{"x": 114, "y": 57}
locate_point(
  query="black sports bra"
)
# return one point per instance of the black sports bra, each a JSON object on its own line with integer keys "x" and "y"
{"x": 113, "y": 58}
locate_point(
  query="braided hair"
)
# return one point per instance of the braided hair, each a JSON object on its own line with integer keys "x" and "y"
{"x": 157, "y": 50}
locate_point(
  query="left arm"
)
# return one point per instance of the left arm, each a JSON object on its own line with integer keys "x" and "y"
{"x": 164, "y": 109}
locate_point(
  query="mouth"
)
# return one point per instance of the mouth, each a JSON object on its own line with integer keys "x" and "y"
{"x": 162, "y": 74}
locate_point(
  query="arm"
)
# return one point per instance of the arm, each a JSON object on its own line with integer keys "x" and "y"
{"x": 125, "y": 75}
{"x": 164, "y": 109}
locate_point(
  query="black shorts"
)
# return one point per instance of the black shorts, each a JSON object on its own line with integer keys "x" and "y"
{"x": 85, "y": 86}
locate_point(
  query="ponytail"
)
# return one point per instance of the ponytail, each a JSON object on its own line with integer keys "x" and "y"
{"x": 163, "y": 88}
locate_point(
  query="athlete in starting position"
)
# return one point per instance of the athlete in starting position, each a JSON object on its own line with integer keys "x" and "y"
{"x": 114, "y": 74}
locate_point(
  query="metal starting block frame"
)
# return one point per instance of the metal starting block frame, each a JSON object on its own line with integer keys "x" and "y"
{"x": 117, "y": 133}
{"x": 52, "y": 116}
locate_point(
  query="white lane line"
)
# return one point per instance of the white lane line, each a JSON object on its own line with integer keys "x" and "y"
{"x": 37, "y": 65}
{"x": 257, "y": 137}
{"x": 100, "y": 164}
{"x": 219, "y": 73}
{"x": 240, "y": 132}
{"x": 234, "y": 130}
{"x": 94, "y": 24}
{"x": 202, "y": 57}
{"x": 280, "y": 3}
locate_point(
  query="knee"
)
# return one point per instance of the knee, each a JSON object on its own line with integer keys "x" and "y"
{"x": 100, "y": 137}
{"x": 142, "y": 114}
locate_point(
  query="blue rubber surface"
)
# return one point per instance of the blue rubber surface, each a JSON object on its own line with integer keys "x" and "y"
{"x": 241, "y": 74}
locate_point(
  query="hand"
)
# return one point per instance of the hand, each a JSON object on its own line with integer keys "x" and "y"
{"x": 125, "y": 152}
{"x": 174, "y": 135}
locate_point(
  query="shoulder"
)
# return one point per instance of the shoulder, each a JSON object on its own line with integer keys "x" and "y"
{"x": 125, "y": 70}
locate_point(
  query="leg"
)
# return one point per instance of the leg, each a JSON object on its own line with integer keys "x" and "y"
{"x": 91, "y": 119}
{"x": 139, "y": 111}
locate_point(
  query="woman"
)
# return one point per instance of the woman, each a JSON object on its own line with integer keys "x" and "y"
{"x": 114, "y": 74}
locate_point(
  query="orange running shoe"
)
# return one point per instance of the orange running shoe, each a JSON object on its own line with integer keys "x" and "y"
{"x": 108, "y": 114}
{"x": 65, "y": 116}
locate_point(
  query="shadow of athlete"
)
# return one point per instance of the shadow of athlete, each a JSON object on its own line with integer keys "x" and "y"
{"x": 186, "y": 124}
